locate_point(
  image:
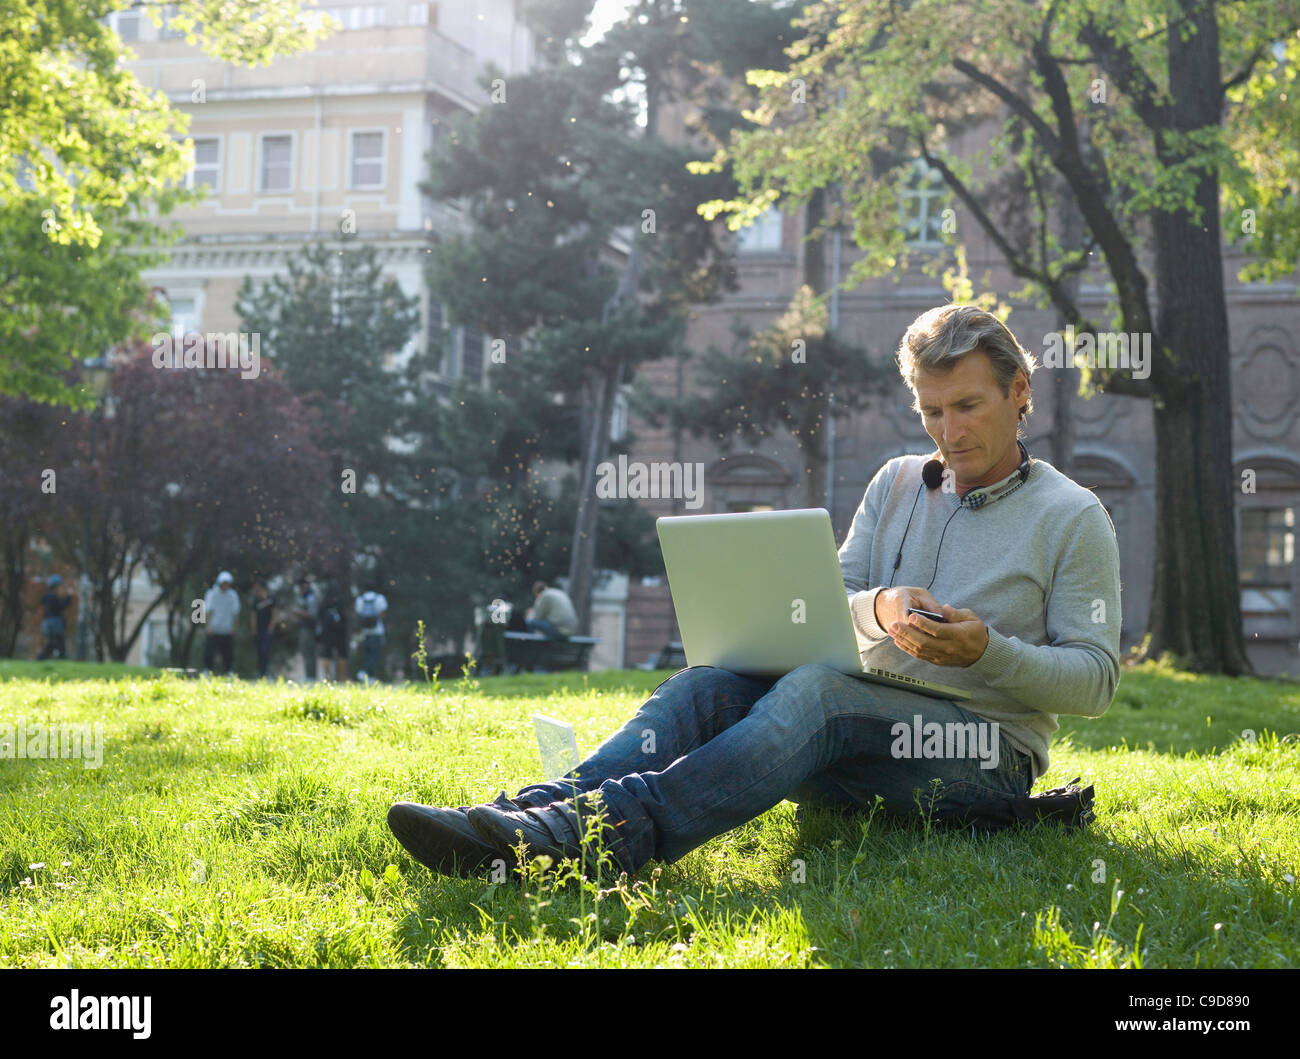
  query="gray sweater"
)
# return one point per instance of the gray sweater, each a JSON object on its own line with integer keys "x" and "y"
{"x": 1040, "y": 567}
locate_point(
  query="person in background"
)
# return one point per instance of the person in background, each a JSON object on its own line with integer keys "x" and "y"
{"x": 221, "y": 608}
{"x": 53, "y": 625}
{"x": 552, "y": 612}
{"x": 370, "y": 608}
{"x": 334, "y": 633}
{"x": 260, "y": 621}
{"x": 308, "y": 614}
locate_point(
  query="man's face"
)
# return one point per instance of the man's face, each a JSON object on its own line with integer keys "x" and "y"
{"x": 225, "y": 585}
{"x": 970, "y": 420}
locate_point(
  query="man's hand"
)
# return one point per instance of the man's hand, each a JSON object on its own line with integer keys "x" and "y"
{"x": 892, "y": 604}
{"x": 958, "y": 642}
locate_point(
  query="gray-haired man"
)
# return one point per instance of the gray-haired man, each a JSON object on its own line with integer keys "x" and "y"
{"x": 1020, "y": 561}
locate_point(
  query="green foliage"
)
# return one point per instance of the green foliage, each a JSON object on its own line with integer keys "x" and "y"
{"x": 88, "y": 158}
{"x": 869, "y": 89}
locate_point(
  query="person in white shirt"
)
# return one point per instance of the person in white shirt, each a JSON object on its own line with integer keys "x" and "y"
{"x": 220, "y": 609}
{"x": 370, "y": 607}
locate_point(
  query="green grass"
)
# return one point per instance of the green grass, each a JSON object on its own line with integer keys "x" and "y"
{"x": 19, "y": 669}
{"x": 241, "y": 824}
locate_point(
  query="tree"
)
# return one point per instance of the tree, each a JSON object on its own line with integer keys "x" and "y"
{"x": 26, "y": 428}
{"x": 338, "y": 328}
{"x": 180, "y": 470}
{"x": 88, "y": 158}
{"x": 784, "y": 375}
{"x": 554, "y": 176}
{"x": 1138, "y": 109}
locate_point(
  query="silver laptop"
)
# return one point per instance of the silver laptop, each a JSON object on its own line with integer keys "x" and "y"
{"x": 761, "y": 593}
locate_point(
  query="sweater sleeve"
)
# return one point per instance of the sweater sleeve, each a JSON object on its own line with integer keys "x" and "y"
{"x": 855, "y": 553}
{"x": 1077, "y": 671}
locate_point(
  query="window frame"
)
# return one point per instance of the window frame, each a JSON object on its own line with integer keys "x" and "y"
{"x": 923, "y": 195}
{"x": 353, "y": 133}
{"x": 262, "y": 137}
{"x": 219, "y": 139}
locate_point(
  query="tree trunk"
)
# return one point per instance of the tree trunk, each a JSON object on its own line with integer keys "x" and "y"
{"x": 814, "y": 470}
{"x": 1065, "y": 380}
{"x": 11, "y": 590}
{"x": 1195, "y": 602}
{"x": 582, "y": 554}
{"x": 812, "y": 443}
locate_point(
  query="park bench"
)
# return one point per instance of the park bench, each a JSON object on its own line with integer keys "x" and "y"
{"x": 673, "y": 656}
{"x": 529, "y": 651}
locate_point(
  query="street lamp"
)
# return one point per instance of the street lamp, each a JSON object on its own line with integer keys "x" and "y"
{"x": 98, "y": 373}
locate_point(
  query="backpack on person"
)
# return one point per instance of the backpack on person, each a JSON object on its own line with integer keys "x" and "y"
{"x": 1068, "y": 806}
{"x": 331, "y": 619}
{"x": 368, "y": 611}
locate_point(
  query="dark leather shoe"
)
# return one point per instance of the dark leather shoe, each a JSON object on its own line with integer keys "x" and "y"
{"x": 551, "y": 831}
{"x": 443, "y": 839}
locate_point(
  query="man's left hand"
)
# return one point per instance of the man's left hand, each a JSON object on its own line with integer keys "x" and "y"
{"x": 959, "y": 641}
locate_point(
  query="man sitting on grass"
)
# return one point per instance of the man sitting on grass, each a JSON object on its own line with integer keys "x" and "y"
{"x": 1021, "y": 562}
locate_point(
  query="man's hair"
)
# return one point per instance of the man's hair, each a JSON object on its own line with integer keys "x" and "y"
{"x": 939, "y": 338}
{"x": 538, "y": 586}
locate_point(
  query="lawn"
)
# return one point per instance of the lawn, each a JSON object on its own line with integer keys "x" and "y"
{"x": 240, "y": 824}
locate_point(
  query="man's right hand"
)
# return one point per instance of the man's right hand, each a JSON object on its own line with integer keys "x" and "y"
{"x": 892, "y": 604}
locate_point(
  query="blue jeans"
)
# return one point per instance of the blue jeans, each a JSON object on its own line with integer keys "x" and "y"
{"x": 545, "y": 627}
{"x": 263, "y": 640}
{"x": 373, "y": 644}
{"x": 710, "y": 750}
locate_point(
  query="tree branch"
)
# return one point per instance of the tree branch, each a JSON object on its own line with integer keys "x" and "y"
{"x": 1117, "y": 60}
{"x": 1018, "y": 105}
{"x": 1243, "y": 75}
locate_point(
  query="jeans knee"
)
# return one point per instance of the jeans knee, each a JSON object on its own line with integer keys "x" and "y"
{"x": 809, "y": 688}
{"x": 709, "y": 680}
{"x": 812, "y": 679}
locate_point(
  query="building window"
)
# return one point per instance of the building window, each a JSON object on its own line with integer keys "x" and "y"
{"x": 367, "y": 166}
{"x": 423, "y": 14}
{"x": 1267, "y": 560}
{"x": 277, "y": 163}
{"x": 921, "y": 205}
{"x": 763, "y": 235}
{"x": 207, "y": 164}
{"x": 473, "y": 359}
{"x": 168, "y": 31}
{"x": 184, "y": 315}
{"x": 442, "y": 342}
{"x": 128, "y": 25}
{"x": 362, "y": 16}
{"x": 618, "y": 416}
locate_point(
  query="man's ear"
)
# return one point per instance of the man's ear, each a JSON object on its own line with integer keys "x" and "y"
{"x": 1020, "y": 386}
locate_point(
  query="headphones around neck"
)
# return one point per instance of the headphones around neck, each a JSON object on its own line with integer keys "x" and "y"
{"x": 932, "y": 477}
{"x": 932, "y": 472}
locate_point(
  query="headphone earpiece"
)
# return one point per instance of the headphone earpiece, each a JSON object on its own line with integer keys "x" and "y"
{"x": 933, "y": 470}
{"x": 932, "y": 474}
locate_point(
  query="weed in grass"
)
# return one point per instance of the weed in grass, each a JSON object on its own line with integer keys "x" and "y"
{"x": 421, "y": 658}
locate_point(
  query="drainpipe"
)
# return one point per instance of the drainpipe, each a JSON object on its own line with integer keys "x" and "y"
{"x": 315, "y": 194}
